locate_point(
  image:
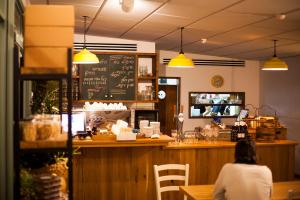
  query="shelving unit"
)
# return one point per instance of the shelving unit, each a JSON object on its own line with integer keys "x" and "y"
{"x": 41, "y": 146}
{"x": 147, "y": 78}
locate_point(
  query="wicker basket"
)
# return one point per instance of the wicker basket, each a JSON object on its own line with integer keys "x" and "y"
{"x": 265, "y": 134}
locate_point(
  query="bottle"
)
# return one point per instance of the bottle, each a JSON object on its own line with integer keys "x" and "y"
{"x": 233, "y": 133}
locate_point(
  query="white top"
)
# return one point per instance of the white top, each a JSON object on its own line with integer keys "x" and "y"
{"x": 243, "y": 182}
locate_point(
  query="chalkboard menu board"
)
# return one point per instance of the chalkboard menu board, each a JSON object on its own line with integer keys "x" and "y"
{"x": 112, "y": 79}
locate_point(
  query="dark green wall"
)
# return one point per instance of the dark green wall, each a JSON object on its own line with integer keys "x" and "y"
{"x": 7, "y": 9}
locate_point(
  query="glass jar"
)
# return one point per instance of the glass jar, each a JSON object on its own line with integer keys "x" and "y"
{"x": 143, "y": 71}
{"x": 143, "y": 95}
{"x": 74, "y": 70}
{"x": 28, "y": 130}
{"x": 56, "y": 127}
{"x": 44, "y": 125}
{"x": 149, "y": 93}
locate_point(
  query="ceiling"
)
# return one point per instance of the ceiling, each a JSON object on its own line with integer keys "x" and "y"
{"x": 242, "y": 29}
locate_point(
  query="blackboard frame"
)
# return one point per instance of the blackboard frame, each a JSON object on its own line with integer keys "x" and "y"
{"x": 154, "y": 56}
{"x": 114, "y": 91}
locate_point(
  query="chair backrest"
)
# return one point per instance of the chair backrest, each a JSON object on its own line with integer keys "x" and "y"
{"x": 159, "y": 179}
{"x": 293, "y": 194}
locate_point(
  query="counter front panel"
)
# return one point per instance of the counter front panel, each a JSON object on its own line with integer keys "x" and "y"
{"x": 127, "y": 172}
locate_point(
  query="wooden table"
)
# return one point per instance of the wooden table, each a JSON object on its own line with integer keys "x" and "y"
{"x": 204, "y": 192}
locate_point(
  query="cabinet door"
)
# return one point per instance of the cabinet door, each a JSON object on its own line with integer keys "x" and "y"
{"x": 122, "y": 77}
{"x": 94, "y": 81}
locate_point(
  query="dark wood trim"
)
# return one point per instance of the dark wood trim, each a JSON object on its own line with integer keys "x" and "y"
{"x": 108, "y": 52}
{"x": 179, "y": 88}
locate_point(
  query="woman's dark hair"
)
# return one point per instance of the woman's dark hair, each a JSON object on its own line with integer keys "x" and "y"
{"x": 245, "y": 152}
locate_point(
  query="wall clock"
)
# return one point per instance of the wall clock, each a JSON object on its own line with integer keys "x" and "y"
{"x": 161, "y": 94}
{"x": 217, "y": 81}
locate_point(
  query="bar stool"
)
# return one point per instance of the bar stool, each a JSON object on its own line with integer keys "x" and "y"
{"x": 158, "y": 178}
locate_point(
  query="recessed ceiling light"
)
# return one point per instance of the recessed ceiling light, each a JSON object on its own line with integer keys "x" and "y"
{"x": 126, "y": 5}
{"x": 203, "y": 40}
{"x": 280, "y": 16}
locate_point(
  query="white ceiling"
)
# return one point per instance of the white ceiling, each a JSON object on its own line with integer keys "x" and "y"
{"x": 242, "y": 29}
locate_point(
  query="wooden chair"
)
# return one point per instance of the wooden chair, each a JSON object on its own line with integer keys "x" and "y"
{"x": 293, "y": 194}
{"x": 158, "y": 178}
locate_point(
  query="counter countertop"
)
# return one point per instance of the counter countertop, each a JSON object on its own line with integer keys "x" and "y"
{"x": 140, "y": 142}
{"x": 222, "y": 144}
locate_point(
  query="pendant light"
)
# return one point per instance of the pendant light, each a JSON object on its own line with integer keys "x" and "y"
{"x": 85, "y": 56}
{"x": 181, "y": 61}
{"x": 275, "y": 64}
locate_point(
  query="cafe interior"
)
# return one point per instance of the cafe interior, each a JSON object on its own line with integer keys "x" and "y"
{"x": 99, "y": 96}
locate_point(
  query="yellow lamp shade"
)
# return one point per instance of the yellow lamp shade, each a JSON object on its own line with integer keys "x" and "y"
{"x": 85, "y": 57}
{"x": 275, "y": 64}
{"x": 181, "y": 62}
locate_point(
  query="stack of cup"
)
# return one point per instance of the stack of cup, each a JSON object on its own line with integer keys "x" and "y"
{"x": 156, "y": 127}
{"x": 148, "y": 131}
{"x": 143, "y": 123}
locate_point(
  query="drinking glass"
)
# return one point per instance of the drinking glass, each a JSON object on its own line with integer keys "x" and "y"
{"x": 209, "y": 135}
{"x": 186, "y": 138}
{"x": 215, "y": 132}
{"x": 203, "y": 133}
{"x": 174, "y": 135}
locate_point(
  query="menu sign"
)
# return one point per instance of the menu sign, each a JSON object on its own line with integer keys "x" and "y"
{"x": 112, "y": 79}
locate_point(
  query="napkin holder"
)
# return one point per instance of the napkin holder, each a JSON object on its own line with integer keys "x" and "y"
{"x": 126, "y": 135}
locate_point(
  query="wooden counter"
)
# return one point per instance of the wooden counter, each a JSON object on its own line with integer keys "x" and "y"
{"x": 126, "y": 172}
{"x": 142, "y": 142}
{"x": 222, "y": 144}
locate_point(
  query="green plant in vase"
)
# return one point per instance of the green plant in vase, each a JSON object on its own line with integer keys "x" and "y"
{"x": 44, "y": 98}
{"x": 28, "y": 185}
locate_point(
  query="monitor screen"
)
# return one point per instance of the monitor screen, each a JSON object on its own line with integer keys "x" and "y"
{"x": 243, "y": 114}
{"x": 78, "y": 122}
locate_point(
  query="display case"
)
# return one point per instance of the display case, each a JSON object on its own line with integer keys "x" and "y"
{"x": 215, "y": 104}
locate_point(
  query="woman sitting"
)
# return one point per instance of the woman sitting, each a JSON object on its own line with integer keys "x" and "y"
{"x": 244, "y": 179}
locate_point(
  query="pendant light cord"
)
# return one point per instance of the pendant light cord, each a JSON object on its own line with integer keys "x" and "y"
{"x": 84, "y": 31}
{"x": 274, "y": 48}
{"x": 181, "y": 51}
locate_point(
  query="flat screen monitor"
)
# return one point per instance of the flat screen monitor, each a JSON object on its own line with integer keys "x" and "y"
{"x": 78, "y": 122}
{"x": 243, "y": 114}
